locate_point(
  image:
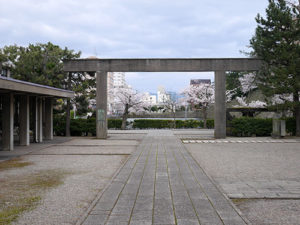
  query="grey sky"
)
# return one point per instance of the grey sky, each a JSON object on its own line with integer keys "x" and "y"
{"x": 135, "y": 28}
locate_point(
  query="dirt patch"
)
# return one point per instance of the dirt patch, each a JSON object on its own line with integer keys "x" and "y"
{"x": 238, "y": 201}
{"x": 11, "y": 210}
{"x": 22, "y": 193}
{"x": 13, "y": 163}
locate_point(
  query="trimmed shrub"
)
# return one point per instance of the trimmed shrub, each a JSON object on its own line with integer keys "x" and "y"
{"x": 59, "y": 125}
{"x": 249, "y": 126}
{"x": 241, "y": 127}
{"x": 114, "y": 123}
{"x": 210, "y": 123}
{"x": 81, "y": 127}
{"x": 291, "y": 125}
{"x": 193, "y": 124}
{"x": 78, "y": 127}
{"x": 165, "y": 124}
{"x": 158, "y": 124}
{"x": 180, "y": 124}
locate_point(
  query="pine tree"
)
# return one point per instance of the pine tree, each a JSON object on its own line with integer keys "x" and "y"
{"x": 277, "y": 43}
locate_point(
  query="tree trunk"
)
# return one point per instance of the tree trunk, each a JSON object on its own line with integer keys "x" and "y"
{"x": 297, "y": 116}
{"x": 124, "y": 117}
{"x": 204, "y": 111}
{"x": 124, "y": 120}
{"x": 68, "y": 132}
{"x": 174, "y": 117}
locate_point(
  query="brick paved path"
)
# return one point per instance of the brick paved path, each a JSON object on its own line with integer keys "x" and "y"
{"x": 162, "y": 184}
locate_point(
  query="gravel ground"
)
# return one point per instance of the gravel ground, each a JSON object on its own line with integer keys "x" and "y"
{"x": 270, "y": 168}
{"x": 271, "y": 212}
{"x": 88, "y": 164}
{"x": 65, "y": 203}
{"x": 248, "y": 160}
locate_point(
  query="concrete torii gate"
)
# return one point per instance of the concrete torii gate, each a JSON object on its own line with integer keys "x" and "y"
{"x": 218, "y": 65}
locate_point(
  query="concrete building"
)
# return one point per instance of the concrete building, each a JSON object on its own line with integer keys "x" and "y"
{"x": 26, "y": 107}
{"x": 110, "y": 96}
{"x": 150, "y": 99}
{"x": 162, "y": 95}
{"x": 153, "y": 99}
{"x": 115, "y": 80}
{"x": 119, "y": 79}
{"x": 200, "y": 81}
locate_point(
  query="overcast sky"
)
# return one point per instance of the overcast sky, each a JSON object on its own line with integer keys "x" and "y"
{"x": 135, "y": 28}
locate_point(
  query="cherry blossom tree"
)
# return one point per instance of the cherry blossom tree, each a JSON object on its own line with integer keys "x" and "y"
{"x": 253, "y": 104}
{"x": 200, "y": 96}
{"x": 247, "y": 82}
{"x": 171, "y": 105}
{"x": 245, "y": 85}
{"x": 129, "y": 101}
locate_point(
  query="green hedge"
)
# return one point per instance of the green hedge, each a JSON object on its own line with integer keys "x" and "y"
{"x": 241, "y": 127}
{"x": 210, "y": 123}
{"x": 249, "y": 126}
{"x": 114, "y": 123}
{"x": 158, "y": 124}
{"x": 188, "y": 123}
{"x": 161, "y": 124}
{"x": 81, "y": 127}
{"x": 290, "y": 125}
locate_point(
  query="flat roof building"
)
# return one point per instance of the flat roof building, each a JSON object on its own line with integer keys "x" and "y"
{"x": 200, "y": 81}
{"x": 27, "y": 106}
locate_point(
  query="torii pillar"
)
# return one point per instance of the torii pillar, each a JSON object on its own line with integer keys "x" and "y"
{"x": 101, "y": 108}
{"x": 220, "y": 105}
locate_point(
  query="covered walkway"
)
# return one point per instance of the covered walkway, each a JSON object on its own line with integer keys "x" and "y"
{"x": 27, "y": 107}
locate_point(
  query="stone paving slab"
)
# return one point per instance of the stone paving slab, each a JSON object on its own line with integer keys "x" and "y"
{"x": 88, "y": 150}
{"x": 275, "y": 189}
{"x": 98, "y": 142}
{"x": 33, "y": 147}
{"x": 239, "y": 141}
{"x": 162, "y": 184}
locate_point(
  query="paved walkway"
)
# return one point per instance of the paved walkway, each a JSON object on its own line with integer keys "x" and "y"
{"x": 33, "y": 147}
{"x": 240, "y": 141}
{"x": 162, "y": 184}
{"x": 259, "y": 189}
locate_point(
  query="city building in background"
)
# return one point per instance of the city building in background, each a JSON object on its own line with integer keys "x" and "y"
{"x": 115, "y": 80}
{"x": 162, "y": 95}
{"x": 151, "y": 99}
{"x": 118, "y": 79}
{"x": 200, "y": 81}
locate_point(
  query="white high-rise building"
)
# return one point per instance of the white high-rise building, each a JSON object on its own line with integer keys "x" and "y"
{"x": 119, "y": 79}
{"x": 110, "y": 87}
{"x": 150, "y": 99}
{"x": 115, "y": 80}
{"x": 162, "y": 96}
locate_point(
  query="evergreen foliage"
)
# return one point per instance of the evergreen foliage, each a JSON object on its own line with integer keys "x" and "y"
{"x": 43, "y": 64}
{"x": 38, "y": 63}
{"x": 276, "y": 42}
